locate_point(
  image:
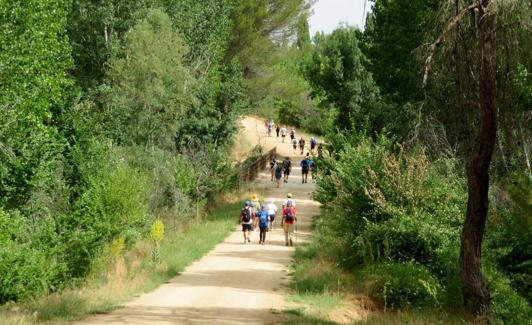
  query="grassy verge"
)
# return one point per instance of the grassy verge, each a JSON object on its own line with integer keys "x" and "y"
{"x": 139, "y": 269}
{"x": 322, "y": 293}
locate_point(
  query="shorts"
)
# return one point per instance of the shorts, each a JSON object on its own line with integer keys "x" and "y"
{"x": 292, "y": 136}
{"x": 286, "y": 172}
{"x": 247, "y": 227}
{"x": 283, "y": 135}
{"x": 304, "y": 171}
{"x": 263, "y": 228}
{"x": 272, "y": 217}
{"x": 294, "y": 146}
{"x": 278, "y": 175}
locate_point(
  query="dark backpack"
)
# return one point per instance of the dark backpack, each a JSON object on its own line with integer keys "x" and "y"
{"x": 304, "y": 164}
{"x": 279, "y": 168}
{"x": 289, "y": 217}
{"x": 246, "y": 215}
{"x": 286, "y": 164}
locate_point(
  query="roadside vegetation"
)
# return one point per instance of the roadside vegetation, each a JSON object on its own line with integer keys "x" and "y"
{"x": 121, "y": 273}
{"x": 400, "y": 169}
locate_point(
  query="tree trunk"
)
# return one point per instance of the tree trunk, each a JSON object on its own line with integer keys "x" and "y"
{"x": 476, "y": 294}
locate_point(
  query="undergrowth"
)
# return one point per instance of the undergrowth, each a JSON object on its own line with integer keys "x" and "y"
{"x": 129, "y": 273}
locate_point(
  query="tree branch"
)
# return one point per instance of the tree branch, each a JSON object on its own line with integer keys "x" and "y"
{"x": 432, "y": 49}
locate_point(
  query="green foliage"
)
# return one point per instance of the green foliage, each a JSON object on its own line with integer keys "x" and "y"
{"x": 509, "y": 237}
{"x": 506, "y": 304}
{"x": 96, "y": 30}
{"x": 288, "y": 113}
{"x": 28, "y": 261}
{"x": 115, "y": 204}
{"x": 398, "y": 285}
{"x": 395, "y": 28}
{"x": 34, "y": 57}
{"x": 338, "y": 77}
{"x": 150, "y": 86}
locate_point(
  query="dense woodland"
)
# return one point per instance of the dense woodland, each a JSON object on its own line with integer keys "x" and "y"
{"x": 116, "y": 114}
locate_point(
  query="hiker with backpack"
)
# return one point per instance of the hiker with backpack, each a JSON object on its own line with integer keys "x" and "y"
{"x": 272, "y": 167}
{"x": 287, "y": 167}
{"x": 283, "y": 133}
{"x": 278, "y": 172}
{"x": 277, "y": 129}
{"x": 246, "y": 219}
{"x": 264, "y": 224}
{"x": 294, "y": 145}
{"x": 255, "y": 206}
{"x": 313, "y": 144}
{"x": 302, "y": 145}
{"x": 313, "y": 170}
{"x": 305, "y": 167}
{"x": 292, "y": 133}
{"x": 288, "y": 221}
{"x": 272, "y": 212}
{"x": 289, "y": 201}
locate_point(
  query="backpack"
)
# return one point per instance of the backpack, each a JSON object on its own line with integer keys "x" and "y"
{"x": 313, "y": 142}
{"x": 246, "y": 215}
{"x": 263, "y": 219}
{"x": 279, "y": 168}
{"x": 290, "y": 215}
{"x": 305, "y": 164}
{"x": 286, "y": 164}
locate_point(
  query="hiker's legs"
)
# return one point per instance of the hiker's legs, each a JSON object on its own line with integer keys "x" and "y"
{"x": 262, "y": 235}
{"x": 285, "y": 229}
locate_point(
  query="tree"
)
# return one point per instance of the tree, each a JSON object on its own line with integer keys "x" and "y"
{"x": 338, "y": 78}
{"x": 150, "y": 87}
{"x": 394, "y": 30}
{"x": 34, "y": 59}
{"x": 476, "y": 294}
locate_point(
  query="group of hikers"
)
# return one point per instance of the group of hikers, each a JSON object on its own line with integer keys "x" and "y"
{"x": 282, "y": 169}
{"x": 254, "y": 214}
{"x": 282, "y": 131}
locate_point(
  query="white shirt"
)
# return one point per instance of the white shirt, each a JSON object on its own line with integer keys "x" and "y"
{"x": 272, "y": 209}
{"x": 286, "y": 202}
{"x": 283, "y": 131}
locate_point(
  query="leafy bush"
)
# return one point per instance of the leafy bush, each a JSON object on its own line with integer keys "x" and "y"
{"x": 26, "y": 267}
{"x": 506, "y": 304}
{"x": 116, "y": 203}
{"x": 288, "y": 112}
{"x": 397, "y": 285}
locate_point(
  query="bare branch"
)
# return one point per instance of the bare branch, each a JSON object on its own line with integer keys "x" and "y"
{"x": 432, "y": 49}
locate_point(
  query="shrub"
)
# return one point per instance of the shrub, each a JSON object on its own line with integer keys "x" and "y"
{"x": 116, "y": 203}
{"x": 398, "y": 285}
{"x": 506, "y": 305}
{"x": 26, "y": 267}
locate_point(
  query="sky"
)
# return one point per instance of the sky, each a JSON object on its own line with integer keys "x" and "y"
{"x": 329, "y": 13}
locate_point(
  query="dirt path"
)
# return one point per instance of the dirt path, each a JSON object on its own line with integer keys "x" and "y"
{"x": 235, "y": 283}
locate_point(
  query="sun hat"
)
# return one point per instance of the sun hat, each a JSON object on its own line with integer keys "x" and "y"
{"x": 289, "y": 195}
{"x": 247, "y": 203}
{"x": 254, "y": 197}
